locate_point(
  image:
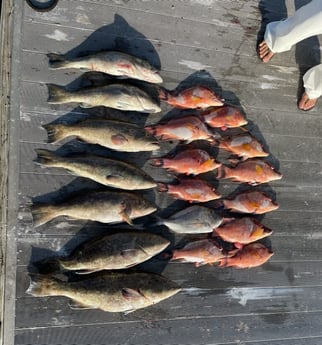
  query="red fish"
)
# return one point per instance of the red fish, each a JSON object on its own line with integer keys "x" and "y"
{"x": 243, "y": 145}
{"x": 196, "y": 97}
{"x": 188, "y": 128}
{"x": 200, "y": 252}
{"x": 251, "y": 202}
{"x": 224, "y": 117}
{"x": 189, "y": 162}
{"x": 252, "y": 171}
{"x": 242, "y": 231}
{"x": 252, "y": 255}
{"x": 190, "y": 190}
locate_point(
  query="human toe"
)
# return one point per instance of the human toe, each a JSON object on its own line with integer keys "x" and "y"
{"x": 306, "y": 103}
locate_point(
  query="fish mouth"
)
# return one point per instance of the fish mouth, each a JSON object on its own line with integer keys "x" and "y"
{"x": 156, "y": 77}
{"x": 155, "y": 145}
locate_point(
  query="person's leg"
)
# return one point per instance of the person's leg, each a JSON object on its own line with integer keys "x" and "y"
{"x": 313, "y": 88}
{"x": 280, "y": 36}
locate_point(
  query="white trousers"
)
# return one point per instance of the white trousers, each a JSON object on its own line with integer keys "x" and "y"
{"x": 282, "y": 35}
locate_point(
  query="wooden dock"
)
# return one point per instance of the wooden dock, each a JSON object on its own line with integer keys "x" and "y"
{"x": 211, "y": 42}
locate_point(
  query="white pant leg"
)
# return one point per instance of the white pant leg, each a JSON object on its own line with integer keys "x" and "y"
{"x": 306, "y": 22}
{"x": 313, "y": 82}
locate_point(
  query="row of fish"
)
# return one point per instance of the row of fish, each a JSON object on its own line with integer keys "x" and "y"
{"x": 112, "y": 207}
{"x": 125, "y": 96}
{"x": 120, "y": 291}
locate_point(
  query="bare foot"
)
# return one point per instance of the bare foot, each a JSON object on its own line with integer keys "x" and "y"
{"x": 305, "y": 103}
{"x": 264, "y": 52}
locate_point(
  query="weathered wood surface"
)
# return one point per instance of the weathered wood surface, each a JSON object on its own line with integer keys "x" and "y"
{"x": 208, "y": 41}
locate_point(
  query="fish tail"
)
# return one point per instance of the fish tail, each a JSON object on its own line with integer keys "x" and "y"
{"x": 46, "y": 157}
{"x": 57, "y": 61}
{"x": 175, "y": 255}
{"x": 223, "y": 262}
{"x": 56, "y": 94}
{"x": 42, "y": 286}
{"x": 218, "y": 204}
{"x": 157, "y": 162}
{"x": 162, "y": 187}
{"x": 151, "y": 129}
{"x": 215, "y": 138}
{"x": 221, "y": 172}
{"x": 42, "y": 214}
{"x": 48, "y": 266}
{"x": 163, "y": 93}
{"x": 55, "y": 132}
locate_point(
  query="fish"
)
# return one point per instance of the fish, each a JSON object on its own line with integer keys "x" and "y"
{"x": 251, "y": 201}
{"x": 109, "y": 291}
{"x": 243, "y": 145}
{"x": 193, "y": 220}
{"x": 200, "y": 252}
{"x": 224, "y": 117}
{"x": 242, "y": 231}
{"x": 187, "y": 128}
{"x": 107, "y": 171}
{"x": 196, "y": 97}
{"x": 104, "y": 207}
{"x": 192, "y": 190}
{"x": 113, "y": 134}
{"x": 189, "y": 162}
{"x": 120, "y": 250}
{"x": 110, "y": 62}
{"x": 124, "y": 97}
{"x": 252, "y": 255}
{"x": 252, "y": 171}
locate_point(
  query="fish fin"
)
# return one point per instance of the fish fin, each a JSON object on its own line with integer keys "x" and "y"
{"x": 54, "y": 132}
{"x": 163, "y": 93}
{"x": 129, "y": 253}
{"x": 82, "y": 272}
{"x": 41, "y": 285}
{"x": 199, "y": 264}
{"x": 112, "y": 178}
{"x": 41, "y": 214}
{"x": 131, "y": 294}
{"x": 129, "y": 311}
{"x": 244, "y": 129}
{"x": 224, "y": 128}
{"x": 210, "y": 162}
{"x": 78, "y": 306}
{"x": 85, "y": 105}
{"x": 238, "y": 246}
{"x": 46, "y": 157}
{"x": 56, "y": 94}
{"x": 119, "y": 139}
{"x": 56, "y": 61}
{"x": 162, "y": 187}
{"x": 124, "y": 213}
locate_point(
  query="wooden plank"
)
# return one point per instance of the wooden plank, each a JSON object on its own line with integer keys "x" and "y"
{"x": 302, "y": 247}
{"x": 290, "y": 273}
{"x": 206, "y": 330}
{"x": 197, "y": 303}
